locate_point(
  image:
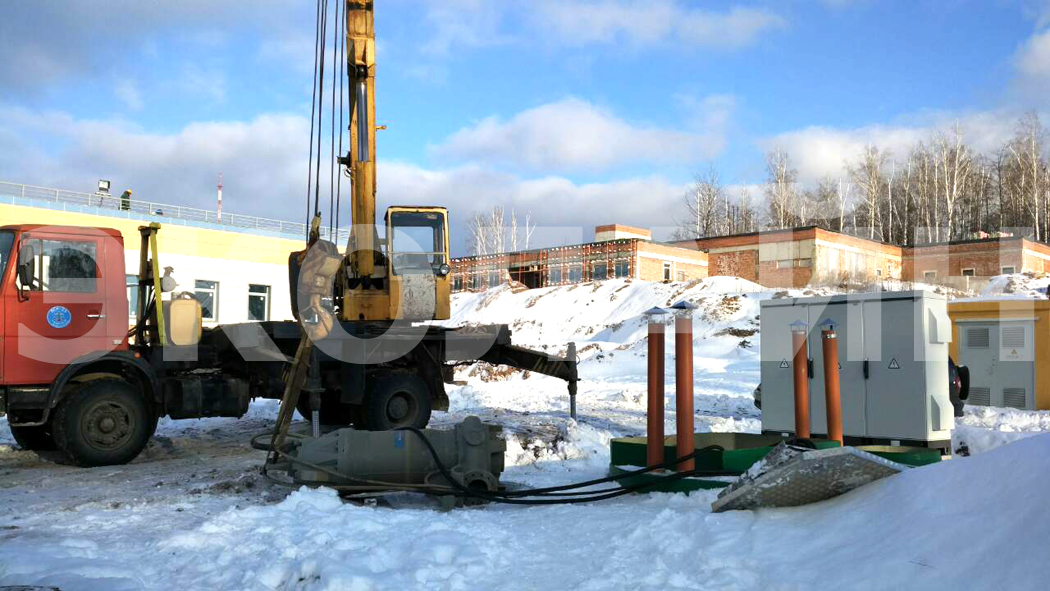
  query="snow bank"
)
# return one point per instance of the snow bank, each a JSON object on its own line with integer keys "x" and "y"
{"x": 972, "y": 523}
{"x": 1017, "y": 285}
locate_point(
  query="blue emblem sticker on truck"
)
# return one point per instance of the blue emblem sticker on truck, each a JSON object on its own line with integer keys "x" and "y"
{"x": 59, "y": 317}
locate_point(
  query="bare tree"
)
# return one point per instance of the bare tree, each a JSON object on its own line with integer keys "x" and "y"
{"x": 781, "y": 190}
{"x": 867, "y": 174}
{"x": 704, "y": 203}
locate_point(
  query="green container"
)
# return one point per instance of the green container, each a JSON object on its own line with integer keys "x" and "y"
{"x": 910, "y": 456}
{"x": 719, "y": 468}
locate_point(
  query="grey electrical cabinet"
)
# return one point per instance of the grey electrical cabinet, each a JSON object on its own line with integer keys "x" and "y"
{"x": 1000, "y": 353}
{"x": 893, "y": 357}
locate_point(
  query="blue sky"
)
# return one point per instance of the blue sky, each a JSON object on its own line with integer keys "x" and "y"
{"x": 581, "y": 112}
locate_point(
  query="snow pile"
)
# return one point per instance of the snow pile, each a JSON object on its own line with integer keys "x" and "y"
{"x": 984, "y": 427}
{"x": 971, "y": 523}
{"x": 1017, "y": 285}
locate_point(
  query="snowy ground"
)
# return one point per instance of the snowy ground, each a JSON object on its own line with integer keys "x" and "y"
{"x": 193, "y": 513}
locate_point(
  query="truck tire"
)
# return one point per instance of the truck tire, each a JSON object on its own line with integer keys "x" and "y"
{"x": 333, "y": 412}
{"x": 396, "y": 400}
{"x": 34, "y": 438}
{"x": 103, "y": 423}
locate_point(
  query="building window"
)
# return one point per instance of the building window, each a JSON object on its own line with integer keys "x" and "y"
{"x": 1009, "y": 270}
{"x": 601, "y": 271}
{"x": 555, "y": 276}
{"x": 258, "y": 302}
{"x": 575, "y": 273}
{"x": 681, "y": 276}
{"x": 784, "y": 264}
{"x": 668, "y": 271}
{"x": 878, "y": 272}
{"x": 457, "y": 283}
{"x": 805, "y": 263}
{"x": 493, "y": 278}
{"x": 475, "y": 282}
{"x": 968, "y": 272}
{"x": 623, "y": 268}
{"x": 207, "y": 293}
{"x": 929, "y": 276}
{"x": 132, "y": 283}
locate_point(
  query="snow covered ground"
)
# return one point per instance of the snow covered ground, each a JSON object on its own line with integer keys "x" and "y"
{"x": 193, "y": 513}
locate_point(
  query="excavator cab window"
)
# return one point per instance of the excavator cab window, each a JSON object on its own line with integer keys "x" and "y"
{"x": 417, "y": 242}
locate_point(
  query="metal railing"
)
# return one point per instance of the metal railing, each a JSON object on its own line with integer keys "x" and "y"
{"x": 135, "y": 207}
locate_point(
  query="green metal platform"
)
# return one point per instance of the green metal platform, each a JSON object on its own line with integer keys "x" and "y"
{"x": 717, "y": 469}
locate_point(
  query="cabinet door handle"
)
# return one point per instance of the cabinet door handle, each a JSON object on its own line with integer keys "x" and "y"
{"x": 865, "y": 369}
{"x": 96, "y": 316}
{"x": 809, "y": 367}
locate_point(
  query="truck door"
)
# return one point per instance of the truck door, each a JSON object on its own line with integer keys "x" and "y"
{"x": 60, "y": 314}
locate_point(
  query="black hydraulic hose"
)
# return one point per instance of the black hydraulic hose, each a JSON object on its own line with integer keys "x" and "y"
{"x": 585, "y": 496}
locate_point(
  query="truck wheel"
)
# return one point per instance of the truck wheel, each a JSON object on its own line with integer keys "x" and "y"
{"x": 103, "y": 423}
{"x": 333, "y": 412}
{"x": 34, "y": 438}
{"x": 397, "y": 400}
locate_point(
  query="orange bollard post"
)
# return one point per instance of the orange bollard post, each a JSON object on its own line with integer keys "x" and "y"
{"x": 683, "y": 351}
{"x": 654, "y": 433}
{"x": 833, "y": 399}
{"x": 800, "y": 367}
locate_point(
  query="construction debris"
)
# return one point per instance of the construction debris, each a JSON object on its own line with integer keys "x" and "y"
{"x": 791, "y": 476}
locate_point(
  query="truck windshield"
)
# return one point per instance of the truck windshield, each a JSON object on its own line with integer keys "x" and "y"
{"x": 7, "y": 240}
{"x": 417, "y": 241}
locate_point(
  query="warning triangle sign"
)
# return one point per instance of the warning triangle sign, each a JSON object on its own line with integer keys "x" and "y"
{"x": 894, "y": 364}
{"x": 784, "y": 364}
{"x": 1013, "y": 351}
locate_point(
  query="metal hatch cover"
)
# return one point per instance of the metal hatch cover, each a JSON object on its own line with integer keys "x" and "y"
{"x": 791, "y": 476}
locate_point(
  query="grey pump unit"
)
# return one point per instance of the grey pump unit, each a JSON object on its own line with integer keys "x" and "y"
{"x": 893, "y": 353}
{"x": 472, "y": 452}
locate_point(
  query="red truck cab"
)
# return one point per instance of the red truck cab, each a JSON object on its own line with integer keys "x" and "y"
{"x": 75, "y": 305}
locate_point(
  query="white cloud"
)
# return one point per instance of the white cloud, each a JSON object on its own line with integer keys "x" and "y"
{"x": 1032, "y": 62}
{"x": 128, "y": 93}
{"x": 264, "y": 167}
{"x": 817, "y": 151}
{"x": 650, "y": 22}
{"x": 575, "y": 135}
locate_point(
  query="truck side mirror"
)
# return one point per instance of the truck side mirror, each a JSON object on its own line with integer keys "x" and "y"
{"x": 26, "y": 265}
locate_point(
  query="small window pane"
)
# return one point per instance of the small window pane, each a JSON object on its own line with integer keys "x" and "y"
{"x": 1008, "y": 271}
{"x": 968, "y": 272}
{"x": 575, "y": 273}
{"x": 132, "y": 283}
{"x": 493, "y": 278}
{"x": 555, "y": 276}
{"x": 601, "y": 271}
{"x": 623, "y": 268}
{"x": 258, "y": 302}
{"x": 207, "y": 293}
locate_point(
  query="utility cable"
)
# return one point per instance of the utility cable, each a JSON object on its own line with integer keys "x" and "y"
{"x": 313, "y": 111}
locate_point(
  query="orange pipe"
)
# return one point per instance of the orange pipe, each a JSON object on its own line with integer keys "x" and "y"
{"x": 683, "y": 380}
{"x": 831, "y": 384}
{"x": 654, "y": 443}
{"x": 800, "y": 365}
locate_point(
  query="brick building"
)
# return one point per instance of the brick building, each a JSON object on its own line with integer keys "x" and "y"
{"x": 617, "y": 251}
{"x": 797, "y": 257}
{"x": 958, "y": 262}
{"x": 794, "y": 257}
